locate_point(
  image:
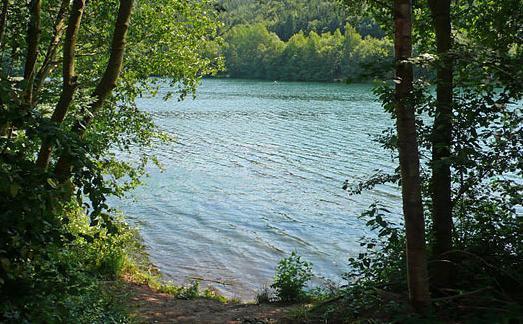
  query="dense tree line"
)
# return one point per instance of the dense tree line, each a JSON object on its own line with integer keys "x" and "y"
{"x": 299, "y": 40}
{"x": 252, "y": 51}
{"x": 286, "y": 18}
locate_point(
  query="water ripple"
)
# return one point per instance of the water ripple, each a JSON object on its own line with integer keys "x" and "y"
{"x": 256, "y": 171}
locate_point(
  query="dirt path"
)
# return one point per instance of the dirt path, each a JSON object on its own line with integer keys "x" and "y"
{"x": 153, "y": 307}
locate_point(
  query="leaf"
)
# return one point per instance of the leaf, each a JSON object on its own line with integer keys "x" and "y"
{"x": 52, "y": 183}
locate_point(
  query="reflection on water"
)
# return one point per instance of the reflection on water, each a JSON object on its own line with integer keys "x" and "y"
{"x": 256, "y": 172}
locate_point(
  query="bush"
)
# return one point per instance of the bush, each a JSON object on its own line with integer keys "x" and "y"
{"x": 292, "y": 274}
{"x": 64, "y": 281}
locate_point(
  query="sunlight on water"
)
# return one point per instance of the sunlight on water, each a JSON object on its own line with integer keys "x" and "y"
{"x": 256, "y": 172}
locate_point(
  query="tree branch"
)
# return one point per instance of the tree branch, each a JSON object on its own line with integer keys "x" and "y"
{"x": 107, "y": 82}
{"x": 52, "y": 48}
{"x": 464, "y": 187}
{"x": 69, "y": 77}
{"x": 484, "y": 262}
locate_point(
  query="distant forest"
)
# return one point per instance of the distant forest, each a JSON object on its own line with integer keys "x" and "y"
{"x": 300, "y": 40}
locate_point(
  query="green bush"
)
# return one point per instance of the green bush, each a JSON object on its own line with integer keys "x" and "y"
{"x": 64, "y": 281}
{"x": 291, "y": 276}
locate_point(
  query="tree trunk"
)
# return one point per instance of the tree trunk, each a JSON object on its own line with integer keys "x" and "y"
{"x": 106, "y": 84}
{"x": 409, "y": 159}
{"x": 33, "y": 39}
{"x": 69, "y": 78}
{"x": 3, "y": 20}
{"x": 47, "y": 64}
{"x": 441, "y": 142}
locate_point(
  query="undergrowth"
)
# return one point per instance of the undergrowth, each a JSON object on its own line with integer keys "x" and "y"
{"x": 79, "y": 279}
{"x": 487, "y": 286}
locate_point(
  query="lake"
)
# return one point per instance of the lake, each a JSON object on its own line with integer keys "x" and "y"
{"x": 256, "y": 171}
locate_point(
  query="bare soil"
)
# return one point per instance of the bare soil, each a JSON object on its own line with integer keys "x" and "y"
{"x": 150, "y": 306}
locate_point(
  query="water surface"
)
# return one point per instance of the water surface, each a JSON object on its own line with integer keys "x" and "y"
{"x": 256, "y": 171}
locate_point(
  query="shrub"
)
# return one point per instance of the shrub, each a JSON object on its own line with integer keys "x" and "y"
{"x": 292, "y": 274}
{"x": 65, "y": 281}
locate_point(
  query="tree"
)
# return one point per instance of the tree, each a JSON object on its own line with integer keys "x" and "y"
{"x": 476, "y": 111}
{"x": 471, "y": 53}
{"x": 441, "y": 143}
{"x": 251, "y": 51}
{"x": 370, "y": 59}
{"x": 68, "y": 87}
{"x": 68, "y": 76}
{"x": 286, "y": 17}
{"x": 409, "y": 158}
{"x": 105, "y": 86}
{"x": 254, "y": 52}
{"x": 352, "y": 40}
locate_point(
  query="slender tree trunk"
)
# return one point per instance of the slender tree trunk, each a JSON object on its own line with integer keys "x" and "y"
{"x": 441, "y": 142}
{"x": 50, "y": 55}
{"x": 68, "y": 75}
{"x": 106, "y": 84}
{"x": 33, "y": 39}
{"x": 409, "y": 159}
{"x": 3, "y": 20}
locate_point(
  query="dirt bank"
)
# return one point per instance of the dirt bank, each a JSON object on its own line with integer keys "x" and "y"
{"x": 152, "y": 307}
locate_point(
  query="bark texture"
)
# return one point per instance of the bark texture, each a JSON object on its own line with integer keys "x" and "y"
{"x": 68, "y": 75}
{"x": 33, "y": 40}
{"x": 52, "y": 48}
{"x": 3, "y": 20}
{"x": 409, "y": 159}
{"x": 441, "y": 142}
{"x": 107, "y": 82}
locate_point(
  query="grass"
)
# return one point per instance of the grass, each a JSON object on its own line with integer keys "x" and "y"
{"x": 137, "y": 269}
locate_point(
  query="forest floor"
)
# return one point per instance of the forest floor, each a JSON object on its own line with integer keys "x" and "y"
{"x": 149, "y": 306}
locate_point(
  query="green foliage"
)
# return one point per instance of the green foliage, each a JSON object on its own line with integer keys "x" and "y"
{"x": 59, "y": 239}
{"x": 383, "y": 262}
{"x": 62, "y": 283}
{"x": 366, "y": 59}
{"x": 191, "y": 291}
{"x": 252, "y": 51}
{"x": 292, "y": 274}
{"x": 286, "y": 18}
{"x": 300, "y": 40}
{"x": 138, "y": 270}
{"x": 485, "y": 166}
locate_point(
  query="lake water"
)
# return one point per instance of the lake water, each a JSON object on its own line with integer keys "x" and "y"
{"x": 256, "y": 172}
